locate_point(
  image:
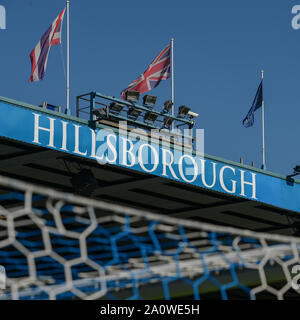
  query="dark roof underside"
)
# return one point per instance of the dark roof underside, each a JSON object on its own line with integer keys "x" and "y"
{"x": 129, "y": 188}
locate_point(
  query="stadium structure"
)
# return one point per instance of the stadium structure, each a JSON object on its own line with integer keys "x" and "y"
{"x": 84, "y": 215}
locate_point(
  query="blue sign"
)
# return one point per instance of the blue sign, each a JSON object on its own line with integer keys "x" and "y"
{"x": 135, "y": 151}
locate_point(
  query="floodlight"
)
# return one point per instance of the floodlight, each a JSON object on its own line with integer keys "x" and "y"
{"x": 193, "y": 115}
{"x": 150, "y": 117}
{"x": 183, "y": 111}
{"x": 297, "y": 169}
{"x": 132, "y": 96}
{"x": 168, "y": 122}
{"x": 167, "y": 106}
{"x": 133, "y": 113}
{"x": 116, "y": 108}
{"x": 84, "y": 182}
{"x": 149, "y": 100}
{"x": 99, "y": 113}
{"x": 296, "y": 172}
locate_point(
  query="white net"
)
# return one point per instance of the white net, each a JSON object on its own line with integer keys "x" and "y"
{"x": 61, "y": 246}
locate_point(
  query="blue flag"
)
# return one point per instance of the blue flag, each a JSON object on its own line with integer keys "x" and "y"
{"x": 257, "y": 103}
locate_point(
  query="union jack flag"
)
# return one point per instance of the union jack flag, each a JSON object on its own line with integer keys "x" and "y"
{"x": 39, "y": 55}
{"x": 158, "y": 70}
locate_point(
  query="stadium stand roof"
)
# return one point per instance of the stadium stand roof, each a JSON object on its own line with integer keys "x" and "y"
{"x": 275, "y": 208}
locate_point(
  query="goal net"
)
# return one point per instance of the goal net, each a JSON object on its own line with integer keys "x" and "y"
{"x": 61, "y": 246}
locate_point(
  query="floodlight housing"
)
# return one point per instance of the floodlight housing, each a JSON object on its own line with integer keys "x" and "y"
{"x": 183, "y": 111}
{"x": 168, "y": 122}
{"x": 149, "y": 100}
{"x": 100, "y": 112}
{"x": 132, "y": 96}
{"x": 116, "y": 108}
{"x": 193, "y": 115}
{"x": 150, "y": 117}
{"x": 295, "y": 173}
{"x": 167, "y": 106}
{"x": 297, "y": 169}
{"x": 133, "y": 113}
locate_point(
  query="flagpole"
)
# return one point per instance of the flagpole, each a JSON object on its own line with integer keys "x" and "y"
{"x": 68, "y": 57}
{"x": 263, "y": 128}
{"x": 172, "y": 78}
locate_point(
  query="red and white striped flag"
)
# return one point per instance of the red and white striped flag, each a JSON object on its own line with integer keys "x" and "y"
{"x": 39, "y": 55}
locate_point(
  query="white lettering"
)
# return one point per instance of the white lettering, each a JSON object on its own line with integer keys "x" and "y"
{"x": 203, "y": 174}
{"x": 253, "y": 184}
{"x": 76, "y": 149}
{"x": 112, "y": 148}
{"x": 64, "y": 137}
{"x": 195, "y": 166}
{"x": 93, "y": 149}
{"x": 37, "y": 128}
{"x": 168, "y": 164}
{"x": 128, "y": 152}
{"x": 153, "y": 161}
{"x": 233, "y": 190}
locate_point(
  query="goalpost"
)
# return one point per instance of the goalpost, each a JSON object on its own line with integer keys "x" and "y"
{"x": 55, "y": 245}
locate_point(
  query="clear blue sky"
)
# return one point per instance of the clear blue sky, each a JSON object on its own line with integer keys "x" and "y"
{"x": 220, "y": 48}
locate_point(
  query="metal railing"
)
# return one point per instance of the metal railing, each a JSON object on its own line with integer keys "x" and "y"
{"x": 95, "y": 99}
